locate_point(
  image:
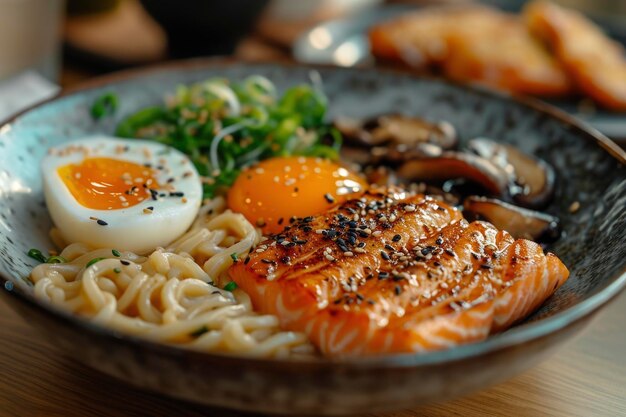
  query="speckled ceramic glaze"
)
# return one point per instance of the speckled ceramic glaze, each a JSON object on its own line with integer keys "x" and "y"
{"x": 593, "y": 247}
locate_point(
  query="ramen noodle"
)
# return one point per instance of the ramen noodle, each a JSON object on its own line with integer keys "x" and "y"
{"x": 173, "y": 294}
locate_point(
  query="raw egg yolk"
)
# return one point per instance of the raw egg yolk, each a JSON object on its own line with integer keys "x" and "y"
{"x": 271, "y": 192}
{"x": 107, "y": 183}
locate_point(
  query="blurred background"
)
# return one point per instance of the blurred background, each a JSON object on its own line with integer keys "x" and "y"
{"x": 45, "y": 44}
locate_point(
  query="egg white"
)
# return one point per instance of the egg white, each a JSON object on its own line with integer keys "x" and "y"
{"x": 128, "y": 228}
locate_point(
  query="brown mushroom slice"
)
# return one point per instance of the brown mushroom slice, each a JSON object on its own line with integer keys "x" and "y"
{"x": 451, "y": 165}
{"x": 521, "y": 223}
{"x": 396, "y": 129}
{"x": 534, "y": 176}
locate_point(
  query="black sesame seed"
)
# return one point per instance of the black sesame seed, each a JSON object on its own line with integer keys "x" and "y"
{"x": 370, "y": 301}
{"x": 396, "y": 238}
{"x": 337, "y": 301}
{"x": 369, "y": 276}
{"x": 245, "y": 261}
{"x": 329, "y": 198}
{"x": 486, "y": 266}
{"x": 397, "y": 278}
{"x": 439, "y": 240}
{"x": 102, "y": 222}
{"x": 389, "y": 247}
{"x": 170, "y": 180}
{"x": 177, "y": 194}
{"x": 361, "y": 245}
{"x": 437, "y": 263}
{"x": 397, "y": 289}
{"x": 427, "y": 250}
{"x": 450, "y": 252}
{"x": 384, "y": 255}
{"x": 124, "y": 262}
{"x": 162, "y": 195}
{"x": 360, "y": 297}
{"x": 383, "y": 275}
{"x": 363, "y": 234}
{"x": 308, "y": 219}
{"x": 285, "y": 259}
{"x": 353, "y": 224}
{"x": 280, "y": 221}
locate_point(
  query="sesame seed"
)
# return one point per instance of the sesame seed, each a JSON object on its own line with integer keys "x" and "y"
{"x": 377, "y": 233}
{"x": 348, "y": 253}
{"x": 329, "y": 257}
{"x": 396, "y": 238}
{"x": 410, "y": 208}
{"x": 384, "y": 255}
{"x": 329, "y": 198}
{"x": 147, "y": 211}
{"x": 102, "y": 222}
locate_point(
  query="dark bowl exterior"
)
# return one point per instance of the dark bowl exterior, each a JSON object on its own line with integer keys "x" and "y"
{"x": 590, "y": 170}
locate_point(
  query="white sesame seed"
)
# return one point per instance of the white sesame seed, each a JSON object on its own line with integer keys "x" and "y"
{"x": 329, "y": 257}
{"x": 410, "y": 208}
{"x": 348, "y": 253}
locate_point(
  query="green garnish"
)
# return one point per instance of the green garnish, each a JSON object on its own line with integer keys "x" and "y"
{"x": 224, "y": 127}
{"x": 56, "y": 260}
{"x": 197, "y": 333}
{"x": 116, "y": 253}
{"x": 117, "y": 270}
{"x": 104, "y": 105}
{"x": 37, "y": 255}
{"x": 234, "y": 257}
{"x": 231, "y": 286}
{"x": 93, "y": 261}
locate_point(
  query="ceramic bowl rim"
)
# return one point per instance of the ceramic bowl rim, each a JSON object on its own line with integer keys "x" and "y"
{"x": 515, "y": 336}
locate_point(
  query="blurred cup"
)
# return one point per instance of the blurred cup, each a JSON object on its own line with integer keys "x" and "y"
{"x": 30, "y": 34}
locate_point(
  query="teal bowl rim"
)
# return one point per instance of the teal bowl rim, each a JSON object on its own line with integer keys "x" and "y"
{"x": 518, "y": 335}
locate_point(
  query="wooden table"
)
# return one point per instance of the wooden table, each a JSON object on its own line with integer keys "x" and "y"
{"x": 586, "y": 378}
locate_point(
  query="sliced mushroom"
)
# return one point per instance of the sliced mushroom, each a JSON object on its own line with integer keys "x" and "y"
{"x": 521, "y": 223}
{"x": 532, "y": 178}
{"x": 395, "y": 137}
{"x": 451, "y": 165}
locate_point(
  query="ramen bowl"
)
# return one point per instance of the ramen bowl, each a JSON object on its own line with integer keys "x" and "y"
{"x": 590, "y": 175}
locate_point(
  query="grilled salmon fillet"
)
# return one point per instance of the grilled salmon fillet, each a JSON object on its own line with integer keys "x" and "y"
{"x": 472, "y": 43}
{"x": 392, "y": 273}
{"x": 596, "y": 63}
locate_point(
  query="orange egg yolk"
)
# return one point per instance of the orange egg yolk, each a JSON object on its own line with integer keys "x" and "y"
{"x": 107, "y": 183}
{"x": 271, "y": 192}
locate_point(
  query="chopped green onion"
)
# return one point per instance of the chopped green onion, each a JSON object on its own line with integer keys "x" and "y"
{"x": 224, "y": 126}
{"x": 234, "y": 257}
{"x": 37, "y": 255}
{"x": 231, "y": 286}
{"x": 56, "y": 260}
{"x": 104, "y": 105}
{"x": 197, "y": 333}
{"x": 117, "y": 270}
{"x": 93, "y": 261}
{"x": 116, "y": 253}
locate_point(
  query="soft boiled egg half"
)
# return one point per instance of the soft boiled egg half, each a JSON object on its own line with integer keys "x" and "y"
{"x": 133, "y": 195}
{"x": 271, "y": 192}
